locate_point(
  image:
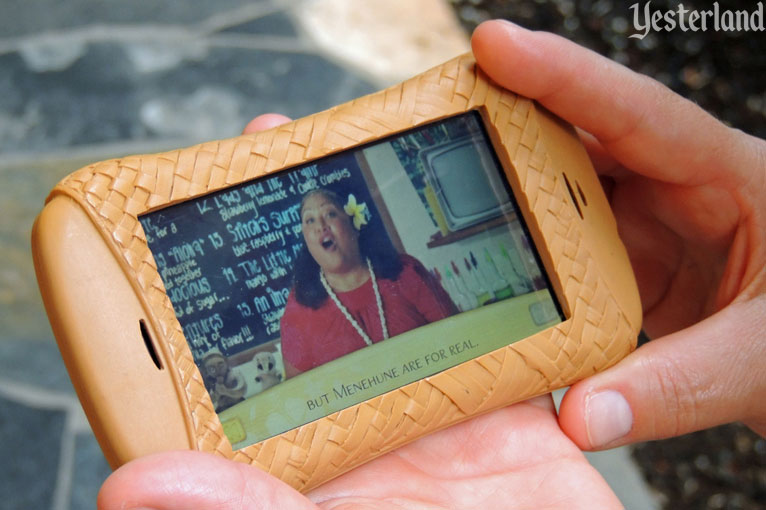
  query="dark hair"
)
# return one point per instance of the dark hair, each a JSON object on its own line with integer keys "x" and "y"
{"x": 378, "y": 248}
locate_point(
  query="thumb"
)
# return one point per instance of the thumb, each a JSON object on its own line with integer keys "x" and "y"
{"x": 705, "y": 375}
{"x": 264, "y": 122}
{"x": 185, "y": 479}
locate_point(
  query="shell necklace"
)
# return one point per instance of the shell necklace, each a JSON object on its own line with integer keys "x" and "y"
{"x": 346, "y": 313}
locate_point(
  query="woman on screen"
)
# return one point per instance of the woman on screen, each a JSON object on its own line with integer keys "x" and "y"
{"x": 350, "y": 290}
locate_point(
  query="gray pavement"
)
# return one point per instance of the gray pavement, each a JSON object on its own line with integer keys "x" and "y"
{"x": 87, "y": 80}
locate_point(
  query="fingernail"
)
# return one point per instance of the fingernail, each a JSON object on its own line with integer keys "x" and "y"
{"x": 607, "y": 417}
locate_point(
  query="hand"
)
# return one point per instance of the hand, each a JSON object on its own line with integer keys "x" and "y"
{"x": 689, "y": 195}
{"x": 516, "y": 457}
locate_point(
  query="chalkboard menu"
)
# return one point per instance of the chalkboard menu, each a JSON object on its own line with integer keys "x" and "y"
{"x": 226, "y": 258}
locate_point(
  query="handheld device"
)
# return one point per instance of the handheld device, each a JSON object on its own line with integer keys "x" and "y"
{"x": 309, "y": 297}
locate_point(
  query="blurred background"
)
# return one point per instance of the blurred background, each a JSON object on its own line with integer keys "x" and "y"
{"x": 85, "y": 80}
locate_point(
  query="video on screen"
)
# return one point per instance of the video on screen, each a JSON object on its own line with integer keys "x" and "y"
{"x": 311, "y": 290}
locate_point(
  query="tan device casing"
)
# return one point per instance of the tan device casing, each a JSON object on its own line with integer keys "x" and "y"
{"x": 99, "y": 281}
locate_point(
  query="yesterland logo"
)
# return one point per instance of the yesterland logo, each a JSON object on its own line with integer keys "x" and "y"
{"x": 646, "y": 20}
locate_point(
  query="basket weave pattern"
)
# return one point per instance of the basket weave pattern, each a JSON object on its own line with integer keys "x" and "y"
{"x": 115, "y": 192}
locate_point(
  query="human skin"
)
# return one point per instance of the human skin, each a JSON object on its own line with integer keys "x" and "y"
{"x": 512, "y": 458}
{"x": 689, "y": 195}
{"x": 333, "y": 242}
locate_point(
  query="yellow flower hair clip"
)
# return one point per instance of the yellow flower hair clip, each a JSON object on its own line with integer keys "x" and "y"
{"x": 356, "y": 211}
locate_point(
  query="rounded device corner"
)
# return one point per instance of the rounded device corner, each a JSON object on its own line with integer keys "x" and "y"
{"x": 598, "y": 224}
{"x": 108, "y": 345}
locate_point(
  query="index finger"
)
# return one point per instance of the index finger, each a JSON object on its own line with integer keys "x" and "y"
{"x": 640, "y": 122}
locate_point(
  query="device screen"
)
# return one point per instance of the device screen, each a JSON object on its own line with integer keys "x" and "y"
{"x": 311, "y": 290}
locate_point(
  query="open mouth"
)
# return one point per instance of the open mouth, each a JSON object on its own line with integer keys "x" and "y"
{"x": 327, "y": 242}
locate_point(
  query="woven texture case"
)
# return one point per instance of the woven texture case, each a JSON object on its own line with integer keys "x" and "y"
{"x": 597, "y": 333}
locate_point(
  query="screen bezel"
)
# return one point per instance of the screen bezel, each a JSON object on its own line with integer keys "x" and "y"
{"x": 457, "y": 324}
{"x": 509, "y": 178}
